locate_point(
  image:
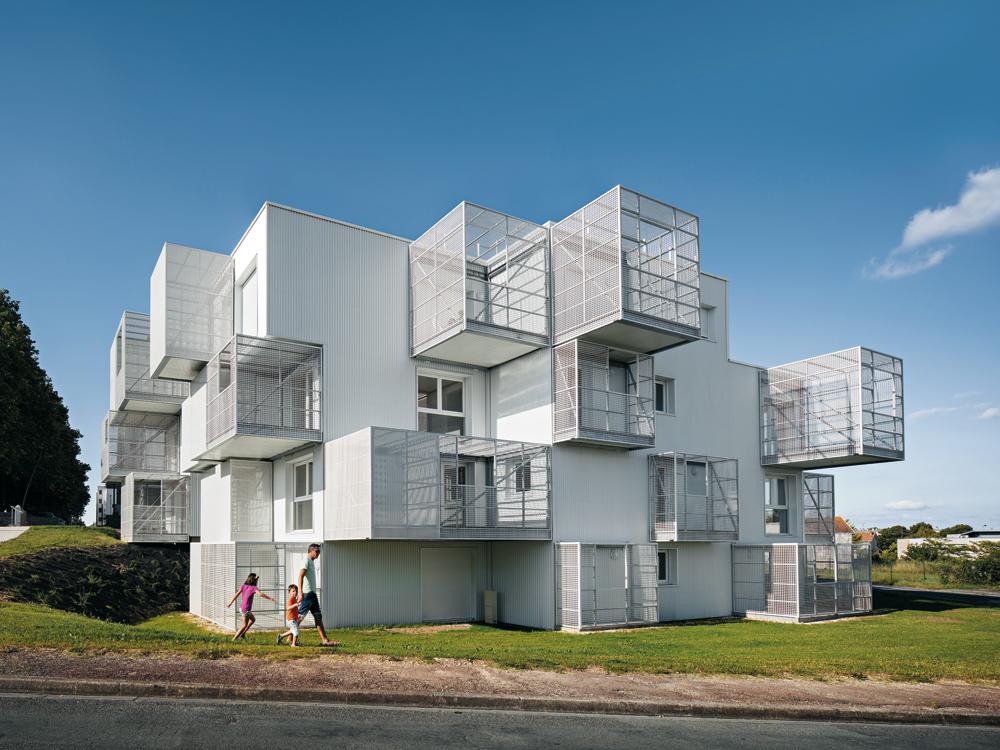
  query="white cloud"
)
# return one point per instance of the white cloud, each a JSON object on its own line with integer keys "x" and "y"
{"x": 924, "y": 413}
{"x": 906, "y": 505}
{"x": 978, "y": 207}
{"x": 902, "y": 262}
{"x": 991, "y": 413}
{"x": 966, "y": 394}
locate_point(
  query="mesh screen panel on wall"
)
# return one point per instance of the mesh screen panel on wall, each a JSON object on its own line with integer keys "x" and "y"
{"x": 251, "y": 506}
{"x": 600, "y": 585}
{"x": 199, "y": 302}
{"x": 817, "y": 507}
{"x": 139, "y": 442}
{"x": 693, "y": 498}
{"x": 833, "y": 407}
{"x": 155, "y": 509}
{"x": 218, "y": 584}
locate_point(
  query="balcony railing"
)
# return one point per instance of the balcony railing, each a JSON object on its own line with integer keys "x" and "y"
{"x": 133, "y": 387}
{"x": 801, "y": 581}
{"x": 191, "y": 310}
{"x": 403, "y": 484}
{"x": 834, "y": 410}
{"x": 693, "y": 498}
{"x": 626, "y": 273}
{"x": 603, "y": 396}
{"x": 264, "y": 397}
{"x": 479, "y": 287}
{"x": 155, "y": 509}
{"x": 138, "y": 442}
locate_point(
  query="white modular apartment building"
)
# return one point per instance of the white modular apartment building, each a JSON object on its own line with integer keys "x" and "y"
{"x": 533, "y": 424}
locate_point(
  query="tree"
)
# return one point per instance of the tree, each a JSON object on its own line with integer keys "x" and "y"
{"x": 958, "y": 528}
{"x": 39, "y": 450}
{"x": 889, "y": 535}
{"x": 921, "y": 530}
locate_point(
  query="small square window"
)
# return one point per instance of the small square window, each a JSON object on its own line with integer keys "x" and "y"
{"x": 663, "y": 391}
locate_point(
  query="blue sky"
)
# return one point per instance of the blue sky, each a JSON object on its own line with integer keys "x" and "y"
{"x": 806, "y": 138}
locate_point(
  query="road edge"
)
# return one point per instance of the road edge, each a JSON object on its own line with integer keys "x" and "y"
{"x": 124, "y": 688}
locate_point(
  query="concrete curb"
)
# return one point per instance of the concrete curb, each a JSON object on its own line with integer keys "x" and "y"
{"x": 56, "y": 686}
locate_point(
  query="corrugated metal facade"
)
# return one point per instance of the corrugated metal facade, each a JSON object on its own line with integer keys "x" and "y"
{"x": 525, "y": 584}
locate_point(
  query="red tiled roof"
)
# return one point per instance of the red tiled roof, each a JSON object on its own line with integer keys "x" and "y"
{"x": 840, "y": 526}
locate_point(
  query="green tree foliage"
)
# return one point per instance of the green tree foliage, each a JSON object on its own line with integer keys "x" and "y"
{"x": 921, "y": 530}
{"x": 958, "y": 528}
{"x": 39, "y": 450}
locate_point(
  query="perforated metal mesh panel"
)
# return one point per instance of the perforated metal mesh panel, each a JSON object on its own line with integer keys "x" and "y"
{"x": 602, "y": 395}
{"x": 817, "y": 508}
{"x": 133, "y": 441}
{"x": 426, "y": 485}
{"x": 218, "y": 584}
{"x": 251, "y": 505}
{"x": 479, "y": 269}
{"x": 833, "y": 407}
{"x": 625, "y": 256}
{"x": 568, "y": 584}
{"x": 600, "y": 586}
{"x": 266, "y": 388}
{"x": 801, "y": 581}
{"x": 199, "y": 302}
{"x": 130, "y": 367}
{"x": 642, "y": 583}
{"x": 693, "y": 498}
{"x": 155, "y": 509}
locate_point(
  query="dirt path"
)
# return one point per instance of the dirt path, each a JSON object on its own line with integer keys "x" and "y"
{"x": 449, "y": 676}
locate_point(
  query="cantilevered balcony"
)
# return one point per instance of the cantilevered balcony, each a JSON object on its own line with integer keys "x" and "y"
{"x": 264, "y": 398}
{"x": 603, "y": 396}
{"x": 838, "y": 409}
{"x": 479, "y": 288}
{"x": 155, "y": 508}
{"x": 191, "y": 310}
{"x": 134, "y": 441}
{"x": 626, "y": 274}
{"x": 132, "y": 388}
{"x": 817, "y": 508}
{"x": 693, "y": 498}
{"x": 400, "y": 484}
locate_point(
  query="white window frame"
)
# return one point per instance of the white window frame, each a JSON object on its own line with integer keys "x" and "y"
{"x": 439, "y": 377}
{"x": 669, "y": 386}
{"x": 309, "y": 496}
{"x": 790, "y": 506}
{"x": 669, "y": 556}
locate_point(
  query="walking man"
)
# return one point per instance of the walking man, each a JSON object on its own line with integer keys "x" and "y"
{"x": 308, "y": 598}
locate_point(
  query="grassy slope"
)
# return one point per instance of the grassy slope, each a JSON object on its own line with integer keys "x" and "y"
{"x": 39, "y": 538}
{"x": 911, "y": 640}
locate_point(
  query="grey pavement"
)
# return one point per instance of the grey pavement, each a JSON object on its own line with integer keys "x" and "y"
{"x": 972, "y": 597}
{"x": 59, "y": 721}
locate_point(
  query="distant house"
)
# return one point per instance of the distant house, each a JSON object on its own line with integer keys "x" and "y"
{"x": 968, "y": 539}
{"x": 843, "y": 532}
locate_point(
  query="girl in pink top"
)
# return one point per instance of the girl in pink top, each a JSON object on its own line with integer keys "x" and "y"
{"x": 246, "y": 594}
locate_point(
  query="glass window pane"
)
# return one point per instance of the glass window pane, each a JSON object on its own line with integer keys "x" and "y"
{"x": 302, "y": 480}
{"x": 427, "y": 397}
{"x": 451, "y": 395}
{"x": 441, "y": 423}
{"x": 775, "y": 521}
{"x": 302, "y": 512}
{"x": 660, "y": 406}
{"x": 661, "y": 559}
{"x": 696, "y": 478}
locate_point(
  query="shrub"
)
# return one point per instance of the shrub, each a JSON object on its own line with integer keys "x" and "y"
{"x": 982, "y": 569}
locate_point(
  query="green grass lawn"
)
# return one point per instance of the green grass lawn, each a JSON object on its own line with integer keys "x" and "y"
{"x": 911, "y": 639}
{"x": 39, "y": 538}
{"x": 916, "y": 574}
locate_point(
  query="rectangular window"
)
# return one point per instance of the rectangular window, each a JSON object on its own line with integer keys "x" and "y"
{"x": 248, "y": 305}
{"x": 776, "y": 505}
{"x": 666, "y": 569}
{"x": 302, "y": 500}
{"x": 664, "y": 395}
{"x": 440, "y": 405}
{"x": 696, "y": 479}
{"x": 708, "y": 323}
{"x": 522, "y": 477}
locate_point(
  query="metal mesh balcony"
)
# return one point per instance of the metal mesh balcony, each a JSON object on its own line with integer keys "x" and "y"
{"x": 421, "y": 485}
{"x": 834, "y": 410}
{"x": 264, "y": 397}
{"x": 603, "y": 396}
{"x": 693, "y": 498}
{"x": 817, "y": 508}
{"x": 479, "y": 287}
{"x": 250, "y": 503}
{"x": 133, "y": 387}
{"x": 605, "y": 586}
{"x": 801, "y": 582}
{"x": 154, "y": 509}
{"x": 191, "y": 310}
{"x": 626, "y": 273}
{"x": 134, "y": 441}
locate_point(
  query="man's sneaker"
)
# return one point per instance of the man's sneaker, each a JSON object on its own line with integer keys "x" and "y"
{"x": 278, "y": 639}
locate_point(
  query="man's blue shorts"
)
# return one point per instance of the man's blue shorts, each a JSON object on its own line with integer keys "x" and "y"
{"x": 309, "y": 605}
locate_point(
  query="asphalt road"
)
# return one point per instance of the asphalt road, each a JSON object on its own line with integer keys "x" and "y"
{"x": 56, "y": 721}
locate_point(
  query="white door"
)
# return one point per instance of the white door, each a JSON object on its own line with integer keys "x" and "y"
{"x": 446, "y": 593}
{"x": 611, "y": 585}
